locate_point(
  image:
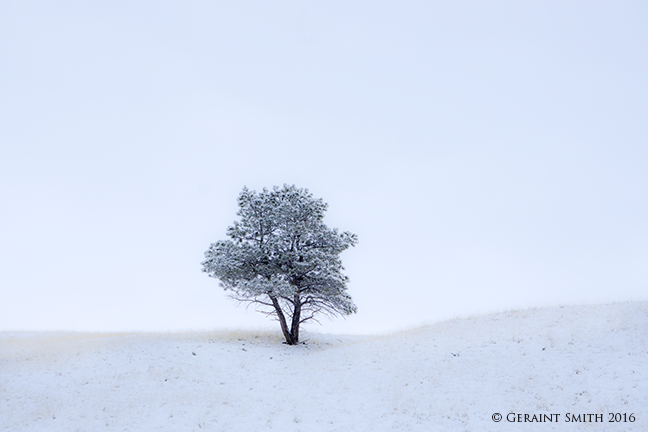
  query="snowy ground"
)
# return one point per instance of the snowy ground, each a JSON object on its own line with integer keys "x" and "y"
{"x": 450, "y": 376}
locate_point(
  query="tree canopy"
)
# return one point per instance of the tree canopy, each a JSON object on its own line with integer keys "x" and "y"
{"x": 283, "y": 258}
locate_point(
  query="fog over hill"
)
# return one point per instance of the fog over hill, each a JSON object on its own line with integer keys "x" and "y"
{"x": 557, "y": 363}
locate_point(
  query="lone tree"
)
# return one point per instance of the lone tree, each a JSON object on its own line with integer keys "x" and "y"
{"x": 283, "y": 258}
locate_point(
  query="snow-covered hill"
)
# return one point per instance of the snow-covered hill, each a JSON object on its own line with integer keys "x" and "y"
{"x": 449, "y": 376}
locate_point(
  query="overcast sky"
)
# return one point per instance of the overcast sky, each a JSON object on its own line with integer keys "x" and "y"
{"x": 489, "y": 155}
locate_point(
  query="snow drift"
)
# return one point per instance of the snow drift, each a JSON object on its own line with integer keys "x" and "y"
{"x": 449, "y": 376}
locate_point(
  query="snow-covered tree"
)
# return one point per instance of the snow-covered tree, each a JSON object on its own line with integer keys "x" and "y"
{"x": 283, "y": 258}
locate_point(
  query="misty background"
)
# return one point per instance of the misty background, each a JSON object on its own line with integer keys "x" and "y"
{"x": 489, "y": 155}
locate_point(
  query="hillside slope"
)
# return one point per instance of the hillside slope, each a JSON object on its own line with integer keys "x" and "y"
{"x": 450, "y": 376}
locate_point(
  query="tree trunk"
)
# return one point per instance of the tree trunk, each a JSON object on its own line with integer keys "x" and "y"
{"x": 296, "y": 318}
{"x": 290, "y": 340}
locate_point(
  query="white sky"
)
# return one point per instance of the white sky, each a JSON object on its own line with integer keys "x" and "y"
{"x": 489, "y": 155}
